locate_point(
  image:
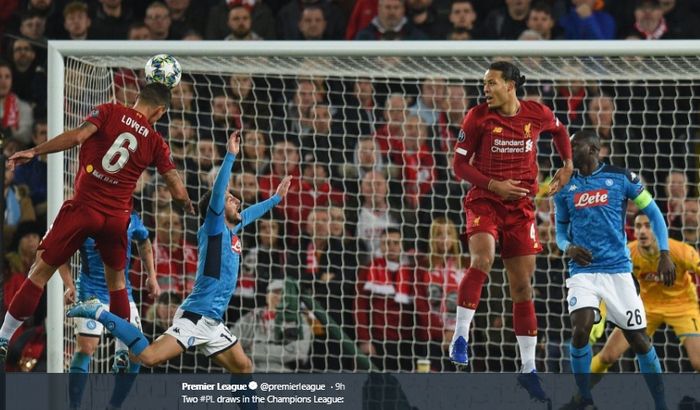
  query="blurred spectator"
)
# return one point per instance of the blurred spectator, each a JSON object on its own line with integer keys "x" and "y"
{"x": 288, "y": 18}
{"x": 49, "y": 10}
{"x": 205, "y": 156}
{"x": 245, "y": 186}
{"x": 362, "y": 14}
{"x": 225, "y": 115}
{"x": 357, "y": 114}
{"x": 187, "y": 16}
{"x": 569, "y": 100}
{"x": 650, "y": 22}
{"x": 542, "y": 21}
{"x": 459, "y": 35}
{"x": 16, "y": 115}
{"x": 391, "y": 24}
{"x": 682, "y": 21}
{"x": 676, "y": 192}
{"x": 429, "y": 102}
{"x": 367, "y": 158}
{"x": 394, "y": 116}
{"x": 316, "y": 189}
{"x": 319, "y": 143}
{"x": 138, "y": 31}
{"x": 252, "y": 100}
{"x": 192, "y": 35}
{"x": 374, "y": 216}
{"x": 111, "y": 20}
{"x": 505, "y": 23}
{"x": 691, "y": 222}
{"x": 298, "y": 117}
{"x": 259, "y": 335}
{"x": 453, "y": 108}
{"x": 625, "y": 143}
{"x": 262, "y": 19}
{"x": 18, "y": 205}
{"x": 28, "y": 76}
{"x": 463, "y": 18}
{"x": 239, "y": 23}
{"x": 175, "y": 258}
{"x": 76, "y": 20}
{"x": 264, "y": 261}
{"x": 33, "y": 174}
{"x": 126, "y": 87}
{"x": 182, "y": 100}
{"x": 383, "y": 308}
{"x": 285, "y": 161}
{"x": 33, "y": 26}
{"x": 587, "y": 21}
{"x": 312, "y": 24}
{"x": 160, "y": 315}
{"x": 438, "y": 289}
{"x": 159, "y": 22}
{"x": 423, "y": 15}
{"x": 182, "y": 141}
{"x": 415, "y": 161}
{"x": 255, "y": 151}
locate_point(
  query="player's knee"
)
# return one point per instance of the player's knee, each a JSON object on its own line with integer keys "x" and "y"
{"x": 580, "y": 335}
{"x": 87, "y": 350}
{"x": 483, "y": 262}
{"x": 520, "y": 291}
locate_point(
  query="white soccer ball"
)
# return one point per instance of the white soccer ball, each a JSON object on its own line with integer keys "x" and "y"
{"x": 164, "y": 69}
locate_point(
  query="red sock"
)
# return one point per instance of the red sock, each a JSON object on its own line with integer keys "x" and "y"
{"x": 470, "y": 288}
{"x": 524, "y": 319}
{"x": 119, "y": 304}
{"x": 25, "y": 301}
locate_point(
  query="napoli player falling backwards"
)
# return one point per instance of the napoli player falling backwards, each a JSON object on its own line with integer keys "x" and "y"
{"x": 496, "y": 152}
{"x": 199, "y": 320}
{"x": 590, "y": 214}
{"x": 116, "y": 144}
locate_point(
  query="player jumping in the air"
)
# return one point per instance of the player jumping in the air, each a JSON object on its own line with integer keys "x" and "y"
{"x": 590, "y": 212}
{"x": 497, "y": 153}
{"x": 91, "y": 283}
{"x": 117, "y": 144}
{"x": 199, "y": 320}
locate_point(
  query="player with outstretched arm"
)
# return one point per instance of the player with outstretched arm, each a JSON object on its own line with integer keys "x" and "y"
{"x": 590, "y": 212}
{"x": 199, "y": 320}
{"x": 117, "y": 144}
{"x": 497, "y": 153}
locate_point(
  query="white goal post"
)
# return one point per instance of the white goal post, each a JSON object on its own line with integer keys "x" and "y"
{"x": 595, "y": 60}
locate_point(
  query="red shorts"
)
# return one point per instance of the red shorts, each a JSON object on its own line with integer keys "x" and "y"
{"x": 511, "y": 223}
{"x": 76, "y": 222}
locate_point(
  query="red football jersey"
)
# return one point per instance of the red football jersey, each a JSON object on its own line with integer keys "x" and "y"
{"x": 112, "y": 159}
{"x": 505, "y": 147}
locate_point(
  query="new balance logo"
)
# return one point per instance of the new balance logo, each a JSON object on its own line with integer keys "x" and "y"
{"x": 591, "y": 199}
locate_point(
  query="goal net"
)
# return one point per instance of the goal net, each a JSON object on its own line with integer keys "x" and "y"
{"x": 368, "y": 139}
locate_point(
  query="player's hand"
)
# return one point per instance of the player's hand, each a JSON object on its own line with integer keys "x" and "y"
{"x": 234, "y": 143}
{"x": 666, "y": 268}
{"x": 508, "y": 189}
{"x": 283, "y": 187}
{"x": 69, "y": 295}
{"x": 580, "y": 255}
{"x": 189, "y": 207}
{"x": 561, "y": 178}
{"x": 153, "y": 288}
{"x": 19, "y": 158}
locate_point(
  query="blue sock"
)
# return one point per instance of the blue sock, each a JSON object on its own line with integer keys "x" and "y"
{"x": 651, "y": 369}
{"x": 246, "y": 395}
{"x": 79, "y": 367}
{"x": 122, "y": 386}
{"x": 124, "y": 331}
{"x": 581, "y": 366}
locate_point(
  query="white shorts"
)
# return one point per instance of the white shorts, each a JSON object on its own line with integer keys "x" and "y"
{"x": 624, "y": 306}
{"x": 192, "y": 330}
{"x": 91, "y": 327}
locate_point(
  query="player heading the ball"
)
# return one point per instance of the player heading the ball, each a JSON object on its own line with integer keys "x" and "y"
{"x": 117, "y": 144}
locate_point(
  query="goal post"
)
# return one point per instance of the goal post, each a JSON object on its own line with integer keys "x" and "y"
{"x": 81, "y": 75}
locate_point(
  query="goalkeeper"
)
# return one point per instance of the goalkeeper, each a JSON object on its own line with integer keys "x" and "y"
{"x": 590, "y": 211}
{"x": 677, "y": 305}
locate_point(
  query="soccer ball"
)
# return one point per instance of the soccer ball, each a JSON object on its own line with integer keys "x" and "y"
{"x": 164, "y": 69}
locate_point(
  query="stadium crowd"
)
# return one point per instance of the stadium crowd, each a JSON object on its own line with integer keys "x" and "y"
{"x": 372, "y": 228}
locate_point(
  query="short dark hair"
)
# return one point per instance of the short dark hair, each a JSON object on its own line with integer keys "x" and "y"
{"x": 509, "y": 71}
{"x": 392, "y": 229}
{"x": 589, "y": 136}
{"x": 136, "y": 25}
{"x": 155, "y": 94}
{"x": 542, "y": 7}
